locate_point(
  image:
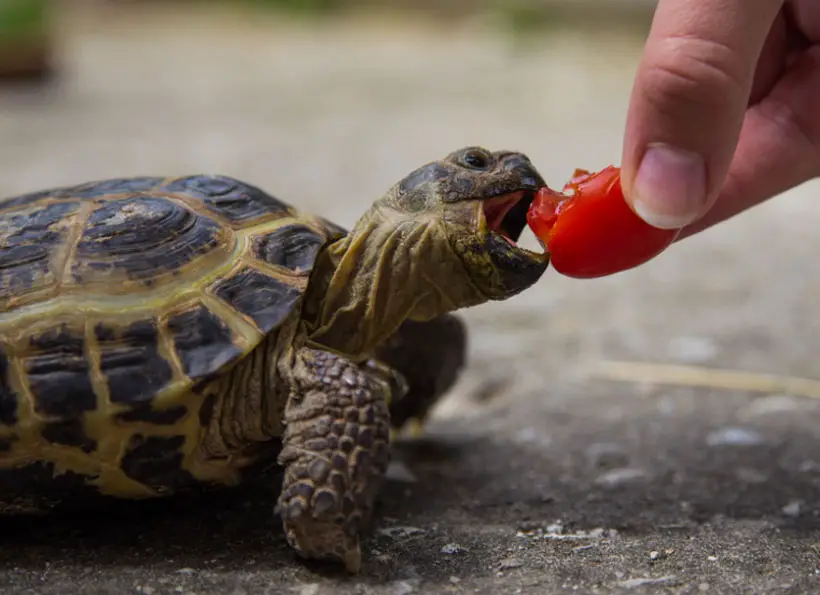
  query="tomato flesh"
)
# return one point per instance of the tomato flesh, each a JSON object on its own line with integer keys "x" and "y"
{"x": 589, "y": 229}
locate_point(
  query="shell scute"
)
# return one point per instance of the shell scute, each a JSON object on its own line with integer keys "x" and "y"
{"x": 26, "y": 200}
{"x": 236, "y": 201}
{"x": 103, "y": 188}
{"x": 265, "y": 299}
{"x": 156, "y": 461}
{"x": 203, "y": 342}
{"x": 89, "y": 190}
{"x": 144, "y": 412}
{"x": 30, "y": 239}
{"x": 293, "y": 247}
{"x": 142, "y": 238}
{"x": 33, "y": 198}
{"x": 59, "y": 375}
{"x": 70, "y": 432}
{"x": 130, "y": 361}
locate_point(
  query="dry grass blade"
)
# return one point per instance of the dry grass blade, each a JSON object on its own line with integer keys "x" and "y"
{"x": 680, "y": 375}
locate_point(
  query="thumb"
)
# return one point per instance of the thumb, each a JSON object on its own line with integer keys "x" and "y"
{"x": 690, "y": 95}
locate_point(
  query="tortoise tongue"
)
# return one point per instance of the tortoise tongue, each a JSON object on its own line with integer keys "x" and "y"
{"x": 496, "y": 209}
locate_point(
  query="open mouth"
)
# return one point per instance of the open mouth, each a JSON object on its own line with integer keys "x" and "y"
{"x": 506, "y": 215}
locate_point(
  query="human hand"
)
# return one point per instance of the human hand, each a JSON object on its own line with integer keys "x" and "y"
{"x": 725, "y": 111}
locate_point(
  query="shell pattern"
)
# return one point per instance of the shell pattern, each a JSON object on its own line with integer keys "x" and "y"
{"x": 117, "y": 299}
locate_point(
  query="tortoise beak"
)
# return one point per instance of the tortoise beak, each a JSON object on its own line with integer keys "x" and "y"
{"x": 502, "y": 216}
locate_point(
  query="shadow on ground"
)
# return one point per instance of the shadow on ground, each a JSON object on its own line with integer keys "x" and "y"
{"x": 464, "y": 504}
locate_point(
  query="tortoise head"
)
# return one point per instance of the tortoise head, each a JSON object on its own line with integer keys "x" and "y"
{"x": 476, "y": 201}
{"x": 441, "y": 239}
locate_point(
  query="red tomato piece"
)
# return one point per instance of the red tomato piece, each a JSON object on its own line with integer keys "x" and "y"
{"x": 590, "y": 231}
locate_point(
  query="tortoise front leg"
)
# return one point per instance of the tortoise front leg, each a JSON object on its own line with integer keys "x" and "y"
{"x": 335, "y": 454}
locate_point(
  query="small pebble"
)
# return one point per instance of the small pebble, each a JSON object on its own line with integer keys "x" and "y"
{"x": 311, "y": 589}
{"x": 532, "y": 435}
{"x": 749, "y": 475}
{"x": 772, "y": 405}
{"x": 654, "y": 555}
{"x": 693, "y": 350}
{"x": 186, "y": 571}
{"x": 455, "y": 580}
{"x": 734, "y": 436}
{"x": 399, "y": 472}
{"x": 401, "y": 532}
{"x": 808, "y": 467}
{"x": 510, "y": 563}
{"x": 146, "y": 590}
{"x": 792, "y": 509}
{"x": 607, "y": 455}
{"x": 453, "y": 548}
{"x": 667, "y": 405}
{"x": 618, "y": 477}
{"x": 634, "y": 583}
{"x": 403, "y": 587}
{"x": 712, "y": 558}
{"x": 582, "y": 548}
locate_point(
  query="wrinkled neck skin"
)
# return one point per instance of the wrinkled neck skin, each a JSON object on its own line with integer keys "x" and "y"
{"x": 391, "y": 267}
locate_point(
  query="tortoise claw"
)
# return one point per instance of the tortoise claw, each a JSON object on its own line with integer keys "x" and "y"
{"x": 317, "y": 540}
{"x": 353, "y": 560}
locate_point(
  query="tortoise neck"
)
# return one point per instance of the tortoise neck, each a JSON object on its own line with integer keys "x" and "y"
{"x": 390, "y": 268}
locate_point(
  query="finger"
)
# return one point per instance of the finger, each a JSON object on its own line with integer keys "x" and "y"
{"x": 779, "y": 145}
{"x": 806, "y": 17}
{"x": 691, "y": 92}
{"x": 772, "y": 61}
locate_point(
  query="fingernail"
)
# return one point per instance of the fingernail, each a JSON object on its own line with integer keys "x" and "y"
{"x": 670, "y": 188}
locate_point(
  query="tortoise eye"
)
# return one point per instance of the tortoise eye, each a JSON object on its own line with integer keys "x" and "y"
{"x": 476, "y": 160}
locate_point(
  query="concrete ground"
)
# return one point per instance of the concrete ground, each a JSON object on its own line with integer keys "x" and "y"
{"x": 539, "y": 474}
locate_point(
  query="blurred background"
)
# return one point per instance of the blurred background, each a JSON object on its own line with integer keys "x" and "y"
{"x": 326, "y": 103}
{"x": 568, "y": 409}
{"x": 305, "y": 96}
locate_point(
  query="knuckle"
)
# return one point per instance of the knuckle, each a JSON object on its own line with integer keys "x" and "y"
{"x": 696, "y": 71}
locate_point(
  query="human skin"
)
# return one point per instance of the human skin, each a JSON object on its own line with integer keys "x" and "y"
{"x": 725, "y": 110}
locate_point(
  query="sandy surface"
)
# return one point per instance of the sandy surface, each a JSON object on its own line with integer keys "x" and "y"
{"x": 537, "y": 476}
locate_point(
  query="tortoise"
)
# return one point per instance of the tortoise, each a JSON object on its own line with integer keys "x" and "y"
{"x": 163, "y": 334}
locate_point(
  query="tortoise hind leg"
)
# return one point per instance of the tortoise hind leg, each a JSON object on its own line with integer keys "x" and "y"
{"x": 431, "y": 356}
{"x": 335, "y": 453}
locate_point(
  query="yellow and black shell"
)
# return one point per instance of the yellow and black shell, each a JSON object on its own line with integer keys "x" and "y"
{"x": 117, "y": 299}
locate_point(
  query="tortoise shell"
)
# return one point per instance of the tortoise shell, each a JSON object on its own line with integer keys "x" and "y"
{"x": 119, "y": 297}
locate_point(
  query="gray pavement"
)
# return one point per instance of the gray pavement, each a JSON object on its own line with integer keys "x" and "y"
{"x": 536, "y": 476}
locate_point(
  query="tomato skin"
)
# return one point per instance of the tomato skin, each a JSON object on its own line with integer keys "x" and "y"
{"x": 593, "y": 232}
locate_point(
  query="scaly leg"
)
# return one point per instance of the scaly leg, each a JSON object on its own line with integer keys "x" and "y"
{"x": 335, "y": 453}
